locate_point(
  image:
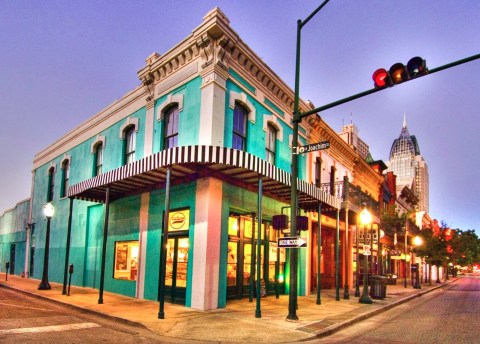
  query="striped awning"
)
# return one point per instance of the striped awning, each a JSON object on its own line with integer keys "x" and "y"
{"x": 189, "y": 163}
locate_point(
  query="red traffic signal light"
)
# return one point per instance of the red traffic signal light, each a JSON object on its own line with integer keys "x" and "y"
{"x": 398, "y": 73}
{"x": 381, "y": 78}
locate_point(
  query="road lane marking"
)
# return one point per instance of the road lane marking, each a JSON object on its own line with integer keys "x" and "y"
{"x": 27, "y": 307}
{"x": 56, "y": 328}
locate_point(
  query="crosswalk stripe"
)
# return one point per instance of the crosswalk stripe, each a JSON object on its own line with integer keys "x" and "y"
{"x": 56, "y": 328}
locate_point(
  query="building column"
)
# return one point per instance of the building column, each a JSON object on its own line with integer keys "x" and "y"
{"x": 206, "y": 250}
{"x": 212, "y": 108}
{"x": 142, "y": 244}
{"x": 148, "y": 142}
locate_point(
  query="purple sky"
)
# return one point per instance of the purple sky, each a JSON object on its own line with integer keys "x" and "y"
{"x": 63, "y": 61}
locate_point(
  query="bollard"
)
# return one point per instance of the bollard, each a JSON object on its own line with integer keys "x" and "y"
{"x": 7, "y": 265}
{"x": 70, "y": 271}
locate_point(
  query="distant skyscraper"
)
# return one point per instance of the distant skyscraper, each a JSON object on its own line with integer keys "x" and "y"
{"x": 409, "y": 166}
{"x": 349, "y": 134}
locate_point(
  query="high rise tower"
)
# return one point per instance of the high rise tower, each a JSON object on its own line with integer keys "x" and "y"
{"x": 409, "y": 166}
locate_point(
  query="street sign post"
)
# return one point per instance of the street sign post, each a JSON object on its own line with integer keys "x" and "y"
{"x": 292, "y": 242}
{"x": 312, "y": 147}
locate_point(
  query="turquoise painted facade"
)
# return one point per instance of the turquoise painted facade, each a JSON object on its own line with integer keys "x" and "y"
{"x": 13, "y": 238}
{"x": 206, "y": 87}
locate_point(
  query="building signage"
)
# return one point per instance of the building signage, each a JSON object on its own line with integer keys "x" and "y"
{"x": 292, "y": 242}
{"x": 179, "y": 220}
{"x": 312, "y": 147}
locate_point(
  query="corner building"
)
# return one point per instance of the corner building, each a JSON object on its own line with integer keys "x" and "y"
{"x": 200, "y": 153}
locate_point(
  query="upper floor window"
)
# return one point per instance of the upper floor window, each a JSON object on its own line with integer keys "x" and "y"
{"x": 51, "y": 184}
{"x": 130, "y": 144}
{"x": 239, "y": 138}
{"x": 65, "y": 177}
{"x": 318, "y": 172}
{"x": 271, "y": 143}
{"x": 170, "y": 135}
{"x": 332, "y": 180}
{"x": 98, "y": 158}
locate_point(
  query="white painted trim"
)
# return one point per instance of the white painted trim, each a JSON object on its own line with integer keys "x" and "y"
{"x": 52, "y": 165}
{"x": 99, "y": 140}
{"x": 171, "y": 99}
{"x": 130, "y": 121}
{"x": 242, "y": 99}
{"x": 66, "y": 157}
{"x": 273, "y": 120}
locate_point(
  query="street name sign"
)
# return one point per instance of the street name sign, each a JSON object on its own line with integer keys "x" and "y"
{"x": 312, "y": 147}
{"x": 292, "y": 242}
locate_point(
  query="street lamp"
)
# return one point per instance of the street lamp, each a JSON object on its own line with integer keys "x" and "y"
{"x": 405, "y": 251}
{"x": 417, "y": 241}
{"x": 357, "y": 262}
{"x": 365, "y": 220}
{"x": 48, "y": 211}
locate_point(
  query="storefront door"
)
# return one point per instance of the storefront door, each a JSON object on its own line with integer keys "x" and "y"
{"x": 241, "y": 262}
{"x": 176, "y": 270}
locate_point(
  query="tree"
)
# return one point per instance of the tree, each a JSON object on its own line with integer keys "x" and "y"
{"x": 465, "y": 247}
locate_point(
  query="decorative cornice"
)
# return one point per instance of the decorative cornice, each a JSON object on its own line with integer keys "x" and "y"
{"x": 214, "y": 42}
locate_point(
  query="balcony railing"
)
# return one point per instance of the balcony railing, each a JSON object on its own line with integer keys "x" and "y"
{"x": 355, "y": 195}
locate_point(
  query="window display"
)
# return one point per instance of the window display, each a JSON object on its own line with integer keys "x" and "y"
{"x": 126, "y": 260}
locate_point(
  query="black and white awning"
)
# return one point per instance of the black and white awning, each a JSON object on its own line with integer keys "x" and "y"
{"x": 189, "y": 163}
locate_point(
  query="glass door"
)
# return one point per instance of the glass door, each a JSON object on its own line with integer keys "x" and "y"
{"x": 176, "y": 270}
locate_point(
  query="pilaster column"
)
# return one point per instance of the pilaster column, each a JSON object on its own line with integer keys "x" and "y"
{"x": 206, "y": 251}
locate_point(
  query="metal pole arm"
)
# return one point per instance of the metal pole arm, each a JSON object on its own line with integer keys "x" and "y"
{"x": 374, "y": 90}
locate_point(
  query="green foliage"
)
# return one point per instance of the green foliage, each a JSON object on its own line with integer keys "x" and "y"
{"x": 434, "y": 248}
{"x": 465, "y": 247}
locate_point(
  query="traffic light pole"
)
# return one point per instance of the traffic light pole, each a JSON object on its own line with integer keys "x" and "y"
{"x": 292, "y": 299}
{"x": 297, "y": 118}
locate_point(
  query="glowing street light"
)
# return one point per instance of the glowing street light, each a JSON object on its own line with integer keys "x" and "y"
{"x": 366, "y": 221}
{"x": 48, "y": 211}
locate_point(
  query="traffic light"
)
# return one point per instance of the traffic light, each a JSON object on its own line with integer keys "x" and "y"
{"x": 399, "y": 73}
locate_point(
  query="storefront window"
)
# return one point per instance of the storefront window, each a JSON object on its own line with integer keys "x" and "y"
{"x": 126, "y": 260}
{"x": 249, "y": 228}
{"x": 274, "y": 254}
{"x": 233, "y": 226}
{"x": 232, "y": 263}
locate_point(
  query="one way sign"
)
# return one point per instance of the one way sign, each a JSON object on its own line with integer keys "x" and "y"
{"x": 292, "y": 242}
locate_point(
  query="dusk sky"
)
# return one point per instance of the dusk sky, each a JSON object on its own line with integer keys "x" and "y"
{"x": 61, "y": 62}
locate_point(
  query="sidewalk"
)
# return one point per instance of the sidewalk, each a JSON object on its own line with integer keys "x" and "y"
{"x": 236, "y": 322}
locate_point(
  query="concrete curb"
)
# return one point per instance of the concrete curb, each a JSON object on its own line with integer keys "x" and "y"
{"x": 337, "y": 327}
{"x": 77, "y": 308}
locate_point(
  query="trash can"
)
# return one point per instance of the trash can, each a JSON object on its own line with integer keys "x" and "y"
{"x": 378, "y": 286}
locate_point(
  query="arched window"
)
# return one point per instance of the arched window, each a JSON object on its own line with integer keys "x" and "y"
{"x": 271, "y": 143}
{"x": 239, "y": 137}
{"x": 98, "y": 159}
{"x": 51, "y": 184}
{"x": 65, "y": 177}
{"x": 333, "y": 170}
{"x": 129, "y": 147}
{"x": 170, "y": 131}
{"x": 318, "y": 172}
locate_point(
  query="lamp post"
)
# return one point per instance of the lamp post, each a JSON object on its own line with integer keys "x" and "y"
{"x": 405, "y": 256}
{"x": 48, "y": 211}
{"x": 417, "y": 241}
{"x": 365, "y": 220}
{"x": 357, "y": 269}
